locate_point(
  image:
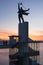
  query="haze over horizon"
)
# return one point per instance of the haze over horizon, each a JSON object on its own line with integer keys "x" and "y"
{"x": 9, "y": 18}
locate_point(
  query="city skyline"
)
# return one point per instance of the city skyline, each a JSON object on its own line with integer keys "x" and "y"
{"x": 9, "y": 18}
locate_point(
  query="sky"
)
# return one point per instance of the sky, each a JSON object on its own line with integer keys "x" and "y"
{"x": 9, "y": 21}
{"x": 9, "y": 18}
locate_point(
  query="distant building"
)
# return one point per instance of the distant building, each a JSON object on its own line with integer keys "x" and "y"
{"x": 1, "y": 42}
{"x": 4, "y": 42}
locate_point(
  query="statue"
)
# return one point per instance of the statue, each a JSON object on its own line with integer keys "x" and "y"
{"x": 21, "y": 12}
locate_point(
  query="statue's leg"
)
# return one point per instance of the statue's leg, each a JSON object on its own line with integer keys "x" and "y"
{"x": 22, "y": 19}
{"x": 19, "y": 20}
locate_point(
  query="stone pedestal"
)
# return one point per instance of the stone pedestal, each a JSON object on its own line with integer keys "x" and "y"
{"x": 23, "y": 31}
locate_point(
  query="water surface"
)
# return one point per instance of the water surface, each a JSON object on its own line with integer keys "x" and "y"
{"x": 4, "y": 56}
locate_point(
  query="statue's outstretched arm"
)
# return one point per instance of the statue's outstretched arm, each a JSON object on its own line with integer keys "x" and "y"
{"x": 19, "y": 5}
{"x": 27, "y": 9}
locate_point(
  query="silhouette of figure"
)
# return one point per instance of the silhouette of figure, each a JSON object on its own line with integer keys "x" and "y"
{"x": 21, "y": 12}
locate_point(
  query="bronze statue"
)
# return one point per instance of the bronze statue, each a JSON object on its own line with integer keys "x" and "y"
{"x": 21, "y": 12}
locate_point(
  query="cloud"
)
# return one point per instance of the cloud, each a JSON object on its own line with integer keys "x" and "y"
{"x": 36, "y": 37}
{"x": 40, "y": 32}
{"x": 4, "y": 35}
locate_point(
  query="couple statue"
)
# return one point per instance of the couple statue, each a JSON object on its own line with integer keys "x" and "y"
{"x": 21, "y": 12}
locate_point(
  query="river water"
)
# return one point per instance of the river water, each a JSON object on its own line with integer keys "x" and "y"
{"x": 4, "y": 56}
{"x": 41, "y": 53}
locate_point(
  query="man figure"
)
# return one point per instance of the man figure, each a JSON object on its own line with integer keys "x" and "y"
{"x": 21, "y": 12}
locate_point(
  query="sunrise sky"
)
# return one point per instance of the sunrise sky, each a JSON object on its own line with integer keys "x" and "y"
{"x": 9, "y": 18}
